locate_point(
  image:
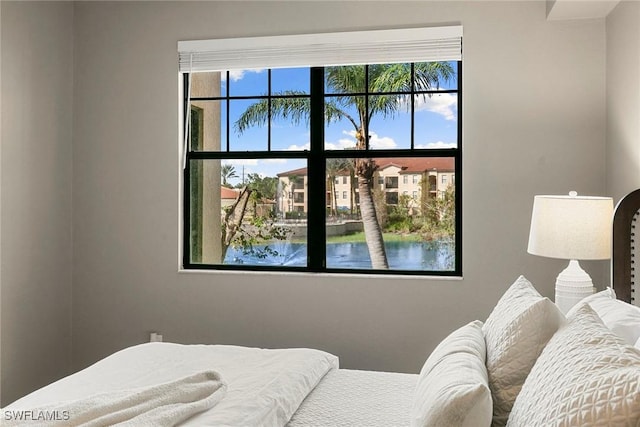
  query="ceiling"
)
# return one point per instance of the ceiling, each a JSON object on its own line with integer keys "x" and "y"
{"x": 579, "y": 9}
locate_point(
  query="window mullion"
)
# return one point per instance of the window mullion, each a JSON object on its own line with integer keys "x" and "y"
{"x": 458, "y": 178}
{"x": 316, "y": 192}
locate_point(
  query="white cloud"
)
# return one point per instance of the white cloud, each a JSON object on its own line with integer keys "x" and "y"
{"x": 236, "y": 75}
{"x": 296, "y": 147}
{"x": 438, "y": 144}
{"x": 240, "y": 162}
{"x": 384, "y": 142}
{"x": 273, "y": 161}
{"x": 342, "y": 144}
{"x": 445, "y": 104}
{"x": 375, "y": 141}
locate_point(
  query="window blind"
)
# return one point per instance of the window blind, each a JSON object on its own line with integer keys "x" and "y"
{"x": 325, "y": 49}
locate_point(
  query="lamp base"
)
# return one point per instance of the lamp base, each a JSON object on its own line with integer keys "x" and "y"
{"x": 572, "y": 285}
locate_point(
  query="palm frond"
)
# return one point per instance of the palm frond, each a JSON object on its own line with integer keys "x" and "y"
{"x": 390, "y": 78}
{"x": 345, "y": 79}
{"x": 296, "y": 110}
{"x": 429, "y": 75}
{"x": 333, "y": 113}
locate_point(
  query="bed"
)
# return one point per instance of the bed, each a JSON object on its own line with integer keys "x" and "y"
{"x": 526, "y": 365}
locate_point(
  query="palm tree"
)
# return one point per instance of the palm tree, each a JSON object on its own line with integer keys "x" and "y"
{"x": 227, "y": 172}
{"x": 348, "y": 80}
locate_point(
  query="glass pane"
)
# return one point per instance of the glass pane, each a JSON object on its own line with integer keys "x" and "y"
{"x": 389, "y": 78}
{"x": 344, "y": 79}
{"x": 208, "y": 85}
{"x": 285, "y": 80}
{"x": 208, "y": 125}
{"x": 290, "y": 132}
{"x": 249, "y": 82}
{"x": 340, "y": 132}
{"x": 436, "y": 121}
{"x": 436, "y": 76}
{"x": 412, "y": 218}
{"x": 248, "y": 125}
{"x": 258, "y": 214}
{"x": 390, "y": 125}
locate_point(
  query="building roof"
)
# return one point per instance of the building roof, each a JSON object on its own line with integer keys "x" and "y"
{"x": 299, "y": 171}
{"x": 418, "y": 164}
{"x": 407, "y": 165}
{"x": 228, "y": 193}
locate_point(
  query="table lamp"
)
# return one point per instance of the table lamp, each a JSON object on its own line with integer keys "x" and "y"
{"x": 575, "y": 228}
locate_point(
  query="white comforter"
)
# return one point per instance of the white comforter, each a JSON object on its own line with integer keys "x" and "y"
{"x": 264, "y": 387}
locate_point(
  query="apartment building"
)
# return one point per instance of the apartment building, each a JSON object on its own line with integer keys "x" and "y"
{"x": 395, "y": 177}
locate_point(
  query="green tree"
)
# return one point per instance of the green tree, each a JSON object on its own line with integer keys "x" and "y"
{"x": 334, "y": 168}
{"x": 264, "y": 186}
{"x": 252, "y": 236}
{"x": 347, "y": 80}
{"x": 227, "y": 172}
{"x": 439, "y": 214}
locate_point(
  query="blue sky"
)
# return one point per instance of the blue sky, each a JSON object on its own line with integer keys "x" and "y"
{"x": 435, "y": 122}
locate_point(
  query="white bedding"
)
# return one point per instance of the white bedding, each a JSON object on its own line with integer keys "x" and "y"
{"x": 349, "y": 398}
{"x": 264, "y": 387}
{"x": 164, "y": 404}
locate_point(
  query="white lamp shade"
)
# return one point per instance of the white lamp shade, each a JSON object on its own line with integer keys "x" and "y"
{"x": 571, "y": 227}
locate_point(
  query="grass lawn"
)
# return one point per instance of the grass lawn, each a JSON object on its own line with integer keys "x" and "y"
{"x": 388, "y": 237}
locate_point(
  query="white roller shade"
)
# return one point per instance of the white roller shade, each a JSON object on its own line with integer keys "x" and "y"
{"x": 326, "y": 49}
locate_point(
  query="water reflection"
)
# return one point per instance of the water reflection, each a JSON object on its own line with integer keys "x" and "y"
{"x": 434, "y": 256}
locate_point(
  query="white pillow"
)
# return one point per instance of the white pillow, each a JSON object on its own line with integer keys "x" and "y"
{"x": 452, "y": 388}
{"x": 586, "y": 376}
{"x": 516, "y": 331}
{"x": 606, "y": 295}
{"x": 621, "y": 317}
{"x": 638, "y": 344}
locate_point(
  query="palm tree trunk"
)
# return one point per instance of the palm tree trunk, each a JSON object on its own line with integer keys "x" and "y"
{"x": 365, "y": 169}
{"x": 372, "y": 231}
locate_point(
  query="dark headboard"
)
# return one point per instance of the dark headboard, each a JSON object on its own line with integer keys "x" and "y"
{"x": 624, "y": 230}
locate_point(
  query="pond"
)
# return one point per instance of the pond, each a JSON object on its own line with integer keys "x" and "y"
{"x": 434, "y": 256}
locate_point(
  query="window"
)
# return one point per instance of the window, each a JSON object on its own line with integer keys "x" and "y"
{"x": 444, "y": 179}
{"x": 391, "y": 198}
{"x": 274, "y": 140}
{"x": 391, "y": 182}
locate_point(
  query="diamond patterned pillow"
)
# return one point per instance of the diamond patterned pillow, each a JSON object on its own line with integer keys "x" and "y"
{"x": 516, "y": 331}
{"x": 586, "y": 376}
{"x": 621, "y": 317}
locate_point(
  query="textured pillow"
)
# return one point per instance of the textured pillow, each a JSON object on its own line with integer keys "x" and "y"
{"x": 516, "y": 331}
{"x": 586, "y": 376}
{"x": 606, "y": 295}
{"x": 452, "y": 388}
{"x": 621, "y": 317}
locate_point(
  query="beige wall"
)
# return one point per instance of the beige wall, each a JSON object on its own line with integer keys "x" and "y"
{"x": 0, "y": 208}
{"x": 534, "y": 122}
{"x": 623, "y": 99}
{"x": 35, "y": 268}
